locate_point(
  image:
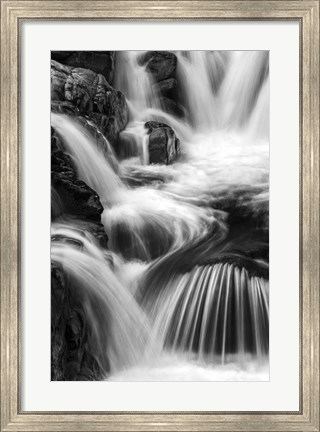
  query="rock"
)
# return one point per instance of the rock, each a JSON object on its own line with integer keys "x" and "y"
{"x": 58, "y": 322}
{"x": 64, "y": 107}
{"x": 167, "y": 88}
{"x": 93, "y": 130}
{"x": 92, "y": 96}
{"x": 73, "y": 197}
{"x": 161, "y": 64}
{"x": 172, "y": 107}
{"x": 59, "y": 76}
{"x": 164, "y": 146}
{"x": 77, "y": 197}
{"x": 70, "y": 356}
{"x": 101, "y": 62}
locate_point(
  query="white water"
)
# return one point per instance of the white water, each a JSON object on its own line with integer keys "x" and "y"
{"x": 206, "y": 314}
{"x": 120, "y": 330}
{"x": 198, "y": 92}
{"x": 225, "y": 149}
{"x": 133, "y": 81}
{"x": 92, "y": 166}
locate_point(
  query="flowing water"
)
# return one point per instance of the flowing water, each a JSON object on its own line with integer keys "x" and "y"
{"x": 183, "y": 292}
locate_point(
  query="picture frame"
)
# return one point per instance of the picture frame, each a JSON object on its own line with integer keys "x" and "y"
{"x": 12, "y": 14}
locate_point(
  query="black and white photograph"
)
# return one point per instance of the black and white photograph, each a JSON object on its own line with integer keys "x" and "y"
{"x": 160, "y": 216}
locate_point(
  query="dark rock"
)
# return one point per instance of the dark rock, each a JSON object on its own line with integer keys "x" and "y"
{"x": 71, "y": 196}
{"x": 162, "y": 64}
{"x": 59, "y": 76}
{"x": 64, "y": 107}
{"x": 57, "y": 207}
{"x": 101, "y": 62}
{"x": 70, "y": 356}
{"x": 77, "y": 196}
{"x": 58, "y": 322}
{"x": 167, "y": 88}
{"x": 164, "y": 146}
{"x": 172, "y": 107}
{"x": 92, "y": 96}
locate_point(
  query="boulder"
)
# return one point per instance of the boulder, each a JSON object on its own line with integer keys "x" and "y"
{"x": 70, "y": 356}
{"x": 72, "y": 197}
{"x": 161, "y": 64}
{"x": 76, "y": 196}
{"x": 101, "y": 62}
{"x": 92, "y": 97}
{"x": 167, "y": 88}
{"x": 164, "y": 146}
{"x": 172, "y": 107}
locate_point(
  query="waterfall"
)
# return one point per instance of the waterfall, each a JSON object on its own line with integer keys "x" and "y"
{"x": 258, "y": 126}
{"x": 118, "y": 329}
{"x": 242, "y": 84}
{"x": 193, "y": 74}
{"x": 134, "y": 142}
{"x": 92, "y": 166}
{"x": 134, "y": 81}
{"x": 215, "y": 311}
{"x": 184, "y": 278}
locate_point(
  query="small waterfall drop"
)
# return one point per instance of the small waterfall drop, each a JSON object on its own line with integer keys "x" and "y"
{"x": 215, "y": 312}
{"x": 193, "y": 74}
{"x": 93, "y": 168}
{"x": 241, "y": 87}
{"x": 132, "y": 79}
{"x": 134, "y": 142}
{"x": 119, "y": 330}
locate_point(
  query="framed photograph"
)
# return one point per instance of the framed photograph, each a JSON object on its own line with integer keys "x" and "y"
{"x": 160, "y": 215}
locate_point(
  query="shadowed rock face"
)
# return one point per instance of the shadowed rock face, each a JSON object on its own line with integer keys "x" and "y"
{"x": 162, "y": 64}
{"x": 76, "y": 197}
{"x": 164, "y": 146}
{"x": 70, "y": 358}
{"x": 92, "y": 96}
{"x": 166, "y": 88}
{"x": 101, "y": 62}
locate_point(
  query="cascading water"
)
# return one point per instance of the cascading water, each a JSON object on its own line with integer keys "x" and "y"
{"x": 216, "y": 312}
{"x": 120, "y": 334}
{"x": 91, "y": 163}
{"x": 189, "y": 240}
{"x": 133, "y": 80}
{"x": 193, "y": 73}
{"x": 242, "y": 86}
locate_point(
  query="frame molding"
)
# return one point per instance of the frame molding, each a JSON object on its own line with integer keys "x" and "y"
{"x": 304, "y": 11}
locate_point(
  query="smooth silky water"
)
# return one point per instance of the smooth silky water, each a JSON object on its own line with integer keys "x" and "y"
{"x": 179, "y": 296}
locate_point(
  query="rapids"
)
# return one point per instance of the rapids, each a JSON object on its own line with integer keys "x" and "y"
{"x": 183, "y": 292}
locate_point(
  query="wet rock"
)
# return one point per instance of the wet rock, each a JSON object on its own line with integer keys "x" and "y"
{"x": 92, "y": 96}
{"x": 73, "y": 197}
{"x": 78, "y": 198}
{"x": 101, "y": 62}
{"x": 164, "y": 146}
{"x": 161, "y": 64}
{"x": 70, "y": 356}
{"x": 167, "y": 88}
{"x": 172, "y": 107}
{"x": 64, "y": 107}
